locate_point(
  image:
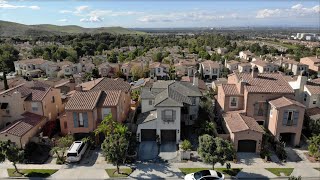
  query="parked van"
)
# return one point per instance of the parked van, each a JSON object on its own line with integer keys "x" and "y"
{"x": 76, "y": 151}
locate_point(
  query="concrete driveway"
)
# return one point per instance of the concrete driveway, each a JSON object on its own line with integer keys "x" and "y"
{"x": 80, "y": 173}
{"x": 168, "y": 151}
{"x": 148, "y": 150}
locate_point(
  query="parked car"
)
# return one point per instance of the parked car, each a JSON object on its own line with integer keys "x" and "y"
{"x": 205, "y": 175}
{"x": 76, "y": 151}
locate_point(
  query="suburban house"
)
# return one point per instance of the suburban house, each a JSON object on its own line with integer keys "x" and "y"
{"x": 247, "y": 55}
{"x": 31, "y": 67}
{"x": 252, "y": 99}
{"x": 85, "y": 110}
{"x": 108, "y": 69}
{"x": 312, "y": 62}
{"x": 265, "y": 66}
{"x": 92, "y": 101}
{"x": 23, "y": 129}
{"x": 221, "y": 51}
{"x": 210, "y": 69}
{"x": 218, "y": 82}
{"x": 201, "y": 84}
{"x": 244, "y": 67}
{"x": 293, "y": 66}
{"x": 159, "y": 70}
{"x": 165, "y": 106}
{"x": 185, "y": 68}
{"x": 34, "y": 97}
{"x": 232, "y": 65}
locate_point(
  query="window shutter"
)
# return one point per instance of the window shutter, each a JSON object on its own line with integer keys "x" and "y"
{"x": 174, "y": 114}
{"x": 75, "y": 119}
{"x": 265, "y": 110}
{"x": 295, "y": 118}
{"x": 85, "y": 119}
{"x": 285, "y": 118}
{"x": 162, "y": 115}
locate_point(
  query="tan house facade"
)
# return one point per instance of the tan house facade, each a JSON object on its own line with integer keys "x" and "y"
{"x": 312, "y": 62}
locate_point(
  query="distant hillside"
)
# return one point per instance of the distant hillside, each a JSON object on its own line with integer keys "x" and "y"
{"x": 11, "y": 29}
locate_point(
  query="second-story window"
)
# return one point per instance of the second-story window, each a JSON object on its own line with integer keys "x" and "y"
{"x": 305, "y": 97}
{"x": 150, "y": 102}
{"x": 159, "y": 70}
{"x": 260, "y": 108}
{"x": 193, "y": 100}
{"x": 52, "y": 99}
{"x": 290, "y": 118}
{"x": 168, "y": 115}
{"x": 314, "y": 101}
{"x": 81, "y": 123}
{"x": 233, "y": 102}
{"x": 34, "y": 106}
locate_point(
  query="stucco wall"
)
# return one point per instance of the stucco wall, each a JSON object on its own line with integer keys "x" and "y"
{"x": 91, "y": 122}
{"x": 145, "y": 107}
{"x": 276, "y": 127}
{"x": 15, "y": 107}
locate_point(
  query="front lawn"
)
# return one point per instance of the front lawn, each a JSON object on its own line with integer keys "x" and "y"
{"x": 125, "y": 172}
{"x": 277, "y": 171}
{"x": 32, "y": 172}
{"x": 225, "y": 171}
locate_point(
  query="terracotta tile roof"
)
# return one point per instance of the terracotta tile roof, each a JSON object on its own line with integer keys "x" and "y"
{"x": 90, "y": 84}
{"x": 83, "y": 100}
{"x": 313, "y": 111}
{"x": 244, "y": 64}
{"x": 284, "y": 101}
{"x": 24, "y": 125}
{"x": 238, "y": 122}
{"x": 32, "y": 61}
{"x": 313, "y": 89}
{"x": 313, "y": 59}
{"x": 209, "y": 63}
{"x": 290, "y": 78}
{"x": 263, "y": 63}
{"x": 265, "y": 83}
{"x": 230, "y": 89}
{"x": 110, "y": 98}
{"x": 315, "y": 81}
{"x": 232, "y": 62}
{"x": 107, "y": 84}
{"x": 20, "y": 88}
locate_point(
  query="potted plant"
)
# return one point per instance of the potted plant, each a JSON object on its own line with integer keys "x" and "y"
{"x": 186, "y": 149}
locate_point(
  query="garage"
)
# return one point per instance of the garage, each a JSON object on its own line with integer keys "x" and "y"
{"x": 168, "y": 136}
{"x": 148, "y": 135}
{"x": 247, "y": 145}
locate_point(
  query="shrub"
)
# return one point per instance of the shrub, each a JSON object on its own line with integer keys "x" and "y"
{"x": 314, "y": 144}
{"x": 186, "y": 145}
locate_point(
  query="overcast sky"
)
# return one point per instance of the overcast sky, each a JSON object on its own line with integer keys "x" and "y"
{"x": 162, "y": 13}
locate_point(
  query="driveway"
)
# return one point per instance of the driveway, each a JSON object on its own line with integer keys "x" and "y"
{"x": 156, "y": 171}
{"x": 249, "y": 158}
{"x": 168, "y": 151}
{"x": 148, "y": 150}
{"x": 80, "y": 173}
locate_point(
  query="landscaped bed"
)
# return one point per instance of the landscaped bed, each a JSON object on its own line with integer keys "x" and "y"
{"x": 277, "y": 171}
{"x": 124, "y": 172}
{"x": 32, "y": 172}
{"x": 225, "y": 171}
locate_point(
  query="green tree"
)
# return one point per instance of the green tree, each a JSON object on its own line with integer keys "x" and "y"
{"x": 137, "y": 72}
{"x": 12, "y": 153}
{"x": 314, "y": 146}
{"x": 116, "y": 141}
{"x": 61, "y": 146}
{"x": 8, "y": 54}
{"x": 213, "y": 150}
{"x": 157, "y": 57}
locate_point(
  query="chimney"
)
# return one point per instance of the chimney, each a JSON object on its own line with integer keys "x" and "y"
{"x": 195, "y": 79}
{"x": 302, "y": 80}
{"x": 255, "y": 72}
{"x": 240, "y": 86}
{"x": 79, "y": 88}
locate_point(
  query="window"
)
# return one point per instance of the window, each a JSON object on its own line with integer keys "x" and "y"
{"x": 271, "y": 112}
{"x": 34, "y": 106}
{"x": 150, "y": 102}
{"x": 52, "y": 99}
{"x": 260, "y": 108}
{"x": 233, "y": 102}
{"x": 159, "y": 70}
{"x": 168, "y": 115}
{"x": 290, "y": 118}
{"x": 193, "y": 100}
{"x": 305, "y": 97}
{"x": 314, "y": 101}
{"x": 81, "y": 124}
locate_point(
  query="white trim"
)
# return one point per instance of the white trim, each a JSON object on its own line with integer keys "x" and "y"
{"x": 237, "y": 101}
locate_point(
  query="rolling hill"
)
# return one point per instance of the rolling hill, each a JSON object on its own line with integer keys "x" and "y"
{"x": 11, "y": 29}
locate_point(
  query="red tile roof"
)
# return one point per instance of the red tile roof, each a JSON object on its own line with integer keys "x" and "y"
{"x": 107, "y": 84}
{"x": 265, "y": 83}
{"x": 284, "y": 101}
{"x": 32, "y": 61}
{"x": 238, "y": 122}
{"x": 210, "y": 64}
{"x": 313, "y": 89}
{"x": 230, "y": 89}
{"x": 83, "y": 100}
{"x": 24, "y": 125}
{"x": 110, "y": 98}
{"x": 313, "y": 111}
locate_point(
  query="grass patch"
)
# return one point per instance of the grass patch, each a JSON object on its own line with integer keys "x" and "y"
{"x": 225, "y": 171}
{"x": 317, "y": 169}
{"x": 32, "y": 172}
{"x": 277, "y": 171}
{"x": 125, "y": 172}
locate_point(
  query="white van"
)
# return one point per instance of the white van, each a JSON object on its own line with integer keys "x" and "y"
{"x": 75, "y": 152}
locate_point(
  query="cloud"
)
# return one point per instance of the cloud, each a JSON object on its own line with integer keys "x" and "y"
{"x": 76, "y": 11}
{"x": 195, "y": 16}
{"x": 92, "y": 19}
{"x": 5, "y": 5}
{"x": 63, "y": 20}
{"x": 81, "y": 8}
{"x": 297, "y": 10}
